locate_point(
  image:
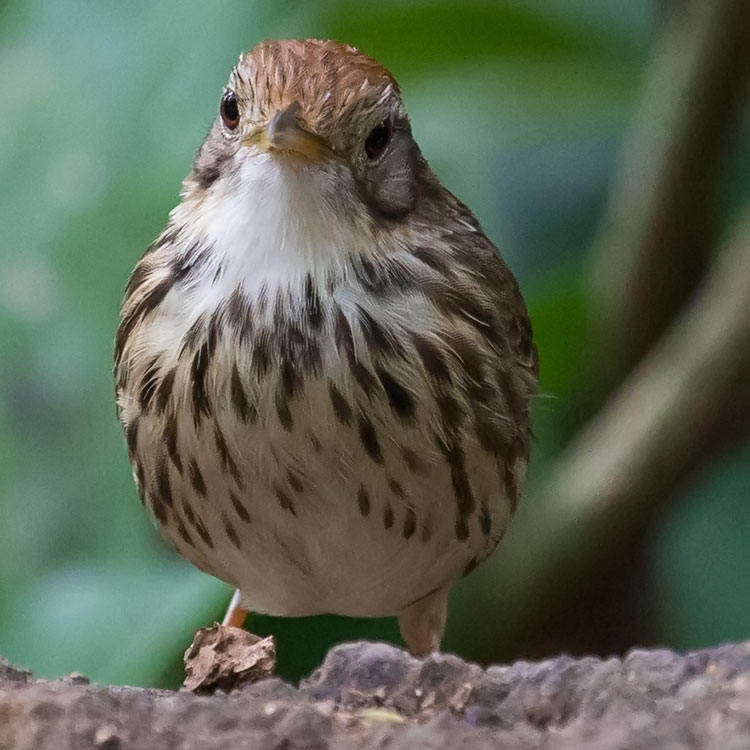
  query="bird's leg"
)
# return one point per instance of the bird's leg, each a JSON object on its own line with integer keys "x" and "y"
{"x": 235, "y": 616}
{"x": 422, "y": 623}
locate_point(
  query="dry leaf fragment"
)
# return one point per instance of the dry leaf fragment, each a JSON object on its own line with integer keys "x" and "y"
{"x": 227, "y": 658}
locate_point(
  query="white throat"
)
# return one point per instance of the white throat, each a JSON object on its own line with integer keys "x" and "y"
{"x": 276, "y": 219}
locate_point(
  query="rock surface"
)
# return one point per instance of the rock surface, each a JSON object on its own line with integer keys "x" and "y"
{"x": 371, "y": 695}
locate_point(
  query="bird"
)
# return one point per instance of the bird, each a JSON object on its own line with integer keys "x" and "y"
{"x": 323, "y": 366}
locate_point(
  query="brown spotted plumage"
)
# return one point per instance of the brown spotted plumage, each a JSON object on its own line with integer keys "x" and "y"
{"x": 323, "y": 366}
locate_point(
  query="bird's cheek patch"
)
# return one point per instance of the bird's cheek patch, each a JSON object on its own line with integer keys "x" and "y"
{"x": 391, "y": 184}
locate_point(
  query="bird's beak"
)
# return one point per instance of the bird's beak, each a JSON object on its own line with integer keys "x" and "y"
{"x": 285, "y": 133}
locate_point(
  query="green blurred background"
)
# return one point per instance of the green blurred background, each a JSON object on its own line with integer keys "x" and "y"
{"x": 522, "y": 108}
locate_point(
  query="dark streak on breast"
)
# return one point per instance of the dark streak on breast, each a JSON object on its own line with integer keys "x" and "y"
{"x": 369, "y": 438}
{"x": 230, "y": 531}
{"x": 313, "y": 311}
{"x": 284, "y": 413}
{"x": 399, "y": 398}
{"x": 363, "y": 501}
{"x": 284, "y": 500}
{"x": 242, "y": 406}
{"x": 239, "y": 507}
{"x": 170, "y": 439}
{"x": 148, "y": 384}
{"x": 410, "y": 523}
{"x": 199, "y": 374}
{"x": 164, "y": 391}
{"x": 341, "y": 407}
{"x": 196, "y": 478}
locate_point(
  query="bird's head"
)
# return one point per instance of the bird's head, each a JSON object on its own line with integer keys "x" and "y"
{"x": 317, "y": 108}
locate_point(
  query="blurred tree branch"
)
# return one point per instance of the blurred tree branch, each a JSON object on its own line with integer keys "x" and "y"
{"x": 687, "y": 401}
{"x": 658, "y": 230}
{"x": 670, "y": 418}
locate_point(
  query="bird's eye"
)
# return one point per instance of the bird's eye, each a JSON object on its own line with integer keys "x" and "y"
{"x": 378, "y": 139}
{"x": 230, "y": 112}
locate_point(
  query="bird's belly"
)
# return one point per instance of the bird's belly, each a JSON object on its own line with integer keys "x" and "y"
{"x": 307, "y": 510}
{"x": 337, "y": 561}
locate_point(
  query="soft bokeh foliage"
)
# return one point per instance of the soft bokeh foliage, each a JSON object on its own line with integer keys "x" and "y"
{"x": 519, "y": 106}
